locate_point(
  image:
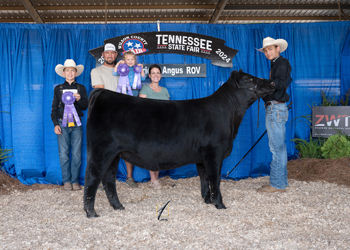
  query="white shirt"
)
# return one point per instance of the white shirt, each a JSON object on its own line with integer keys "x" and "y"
{"x": 103, "y": 75}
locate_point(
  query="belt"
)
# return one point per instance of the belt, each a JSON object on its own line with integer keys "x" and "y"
{"x": 273, "y": 102}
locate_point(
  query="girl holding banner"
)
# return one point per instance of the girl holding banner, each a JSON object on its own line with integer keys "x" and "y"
{"x": 130, "y": 76}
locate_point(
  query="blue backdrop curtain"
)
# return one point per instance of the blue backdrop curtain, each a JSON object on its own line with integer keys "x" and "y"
{"x": 30, "y": 53}
{"x": 345, "y": 70}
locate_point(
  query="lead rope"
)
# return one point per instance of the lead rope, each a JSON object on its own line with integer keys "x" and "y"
{"x": 258, "y": 110}
{"x": 253, "y": 89}
{"x": 228, "y": 173}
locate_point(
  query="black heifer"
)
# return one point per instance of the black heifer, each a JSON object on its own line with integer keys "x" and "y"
{"x": 159, "y": 135}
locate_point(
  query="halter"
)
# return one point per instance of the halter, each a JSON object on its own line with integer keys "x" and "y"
{"x": 251, "y": 89}
{"x": 256, "y": 93}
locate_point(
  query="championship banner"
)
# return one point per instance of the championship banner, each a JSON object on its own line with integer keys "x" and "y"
{"x": 330, "y": 120}
{"x": 171, "y": 42}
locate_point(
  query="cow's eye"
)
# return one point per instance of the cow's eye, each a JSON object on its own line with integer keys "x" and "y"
{"x": 249, "y": 80}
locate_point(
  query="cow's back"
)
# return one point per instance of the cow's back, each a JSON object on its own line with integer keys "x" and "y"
{"x": 147, "y": 131}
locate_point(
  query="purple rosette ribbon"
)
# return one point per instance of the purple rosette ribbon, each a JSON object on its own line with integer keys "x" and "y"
{"x": 69, "y": 110}
{"x": 123, "y": 84}
{"x": 137, "y": 77}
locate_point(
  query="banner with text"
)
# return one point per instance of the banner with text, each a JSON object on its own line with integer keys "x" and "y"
{"x": 180, "y": 70}
{"x": 172, "y": 42}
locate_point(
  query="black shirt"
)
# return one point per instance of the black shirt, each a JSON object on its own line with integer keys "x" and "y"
{"x": 58, "y": 106}
{"x": 280, "y": 75}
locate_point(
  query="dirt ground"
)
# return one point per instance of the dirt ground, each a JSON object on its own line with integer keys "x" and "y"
{"x": 309, "y": 170}
{"x": 328, "y": 170}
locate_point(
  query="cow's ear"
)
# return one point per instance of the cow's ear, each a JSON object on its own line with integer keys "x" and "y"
{"x": 240, "y": 70}
{"x": 233, "y": 74}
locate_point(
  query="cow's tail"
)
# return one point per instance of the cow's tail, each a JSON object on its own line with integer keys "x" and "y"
{"x": 92, "y": 98}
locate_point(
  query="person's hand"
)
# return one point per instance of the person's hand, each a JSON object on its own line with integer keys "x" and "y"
{"x": 116, "y": 66}
{"x": 142, "y": 71}
{"x": 77, "y": 96}
{"x": 58, "y": 130}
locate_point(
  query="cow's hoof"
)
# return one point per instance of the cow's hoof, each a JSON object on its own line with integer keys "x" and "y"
{"x": 220, "y": 206}
{"x": 118, "y": 207}
{"x": 91, "y": 214}
{"x": 208, "y": 201}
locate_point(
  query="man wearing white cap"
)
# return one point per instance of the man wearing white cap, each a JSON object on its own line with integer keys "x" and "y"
{"x": 102, "y": 76}
{"x": 277, "y": 113}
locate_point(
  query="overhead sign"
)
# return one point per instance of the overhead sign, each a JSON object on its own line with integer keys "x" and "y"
{"x": 180, "y": 70}
{"x": 327, "y": 121}
{"x": 184, "y": 43}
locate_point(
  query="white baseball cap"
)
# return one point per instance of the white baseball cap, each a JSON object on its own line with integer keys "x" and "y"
{"x": 109, "y": 47}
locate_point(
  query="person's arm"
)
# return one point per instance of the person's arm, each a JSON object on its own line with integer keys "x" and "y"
{"x": 167, "y": 93}
{"x": 57, "y": 130}
{"x": 143, "y": 92}
{"x": 101, "y": 86}
{"x": 96, "y": 79}
{"x": 54, "y": 111}
{"x": 54, "y": 108}
{"x": 143, "y": 76}
{"x": 115, "y": 71}
{"x": 282, "y": 75}
{"x": 82, "y": 100}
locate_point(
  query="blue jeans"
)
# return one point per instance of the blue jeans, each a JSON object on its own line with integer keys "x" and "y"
{"x": 135, "y": 92}
{"x": 71, "y": 137}
{"x": 275, "y": 119}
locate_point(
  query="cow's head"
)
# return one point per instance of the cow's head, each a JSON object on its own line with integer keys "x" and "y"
{"x": 259, "y": 86}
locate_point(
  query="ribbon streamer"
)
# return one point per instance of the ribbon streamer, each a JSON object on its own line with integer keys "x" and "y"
{"x": 69, "y": 110}
{"x": 137, "y": 77}
{"x": 123, "y": 84}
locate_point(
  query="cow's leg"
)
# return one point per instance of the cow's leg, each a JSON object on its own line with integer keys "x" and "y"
{"x": 97, "y": 166}
{"x": 212, "y": 165}
{"x": 92, "y": 179}
{"x": 108, "y": 182}
{"x": 204, "y": 183}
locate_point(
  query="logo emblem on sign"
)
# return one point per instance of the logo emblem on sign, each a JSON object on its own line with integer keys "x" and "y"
{"x": 134, "y": 45}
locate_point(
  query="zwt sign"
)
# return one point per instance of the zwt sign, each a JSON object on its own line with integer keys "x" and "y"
{"x": 327, "y": 121}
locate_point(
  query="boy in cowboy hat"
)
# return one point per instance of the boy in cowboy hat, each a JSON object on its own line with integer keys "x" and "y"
{"x": 277, "y": 113}
{"x": 70, "y": 135}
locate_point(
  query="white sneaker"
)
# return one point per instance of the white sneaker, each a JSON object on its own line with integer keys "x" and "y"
{"x": 156, "y": 184}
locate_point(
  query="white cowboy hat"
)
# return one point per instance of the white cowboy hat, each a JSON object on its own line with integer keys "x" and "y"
{"x": 69, "y": 63}
{"x": 268, "y": 41}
